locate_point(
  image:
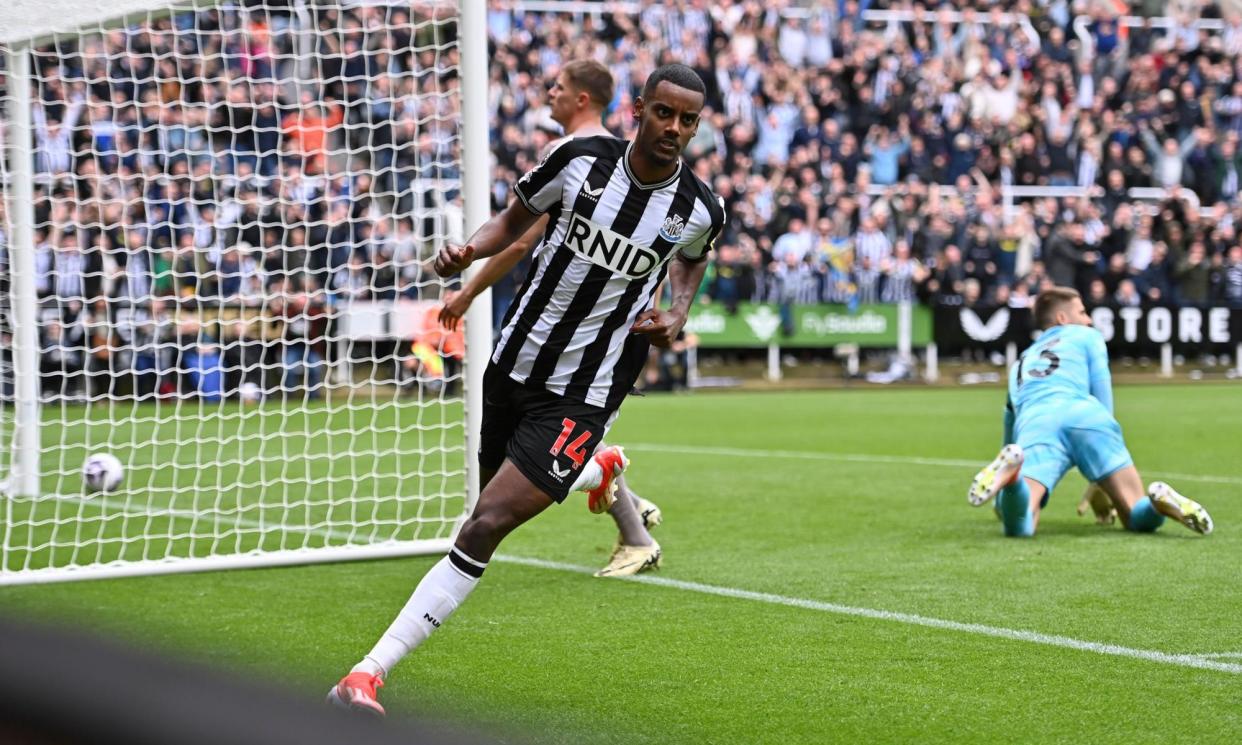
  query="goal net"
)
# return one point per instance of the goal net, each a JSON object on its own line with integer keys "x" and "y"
{"x": 232, "y": 207}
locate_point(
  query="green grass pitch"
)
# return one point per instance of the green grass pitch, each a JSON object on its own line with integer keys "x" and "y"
{"x": 825, "y": 499}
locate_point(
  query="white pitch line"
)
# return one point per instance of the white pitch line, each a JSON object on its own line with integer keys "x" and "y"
{"x": 1220, "y": 655}
{"x": 1200, "y": 661}
{"x": 646, "y": 447}
{"x": 1032, "y": 637}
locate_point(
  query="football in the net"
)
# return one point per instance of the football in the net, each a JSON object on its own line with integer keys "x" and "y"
{"x": 102, "y": 472}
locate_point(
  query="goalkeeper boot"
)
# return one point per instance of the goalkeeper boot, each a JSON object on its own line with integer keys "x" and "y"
{"x": 650, "y": 513}
{"x": 613, "y": 462}
{"x": 357, "y": 692}
{"x": 998, "y": 474}
{"x": 630, "y": 560}
{"x": 1185, "y": 510}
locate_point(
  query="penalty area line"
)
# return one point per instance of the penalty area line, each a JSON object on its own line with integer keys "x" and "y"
{"x": 647, "y": 447}
{"x": 998, "y": 632}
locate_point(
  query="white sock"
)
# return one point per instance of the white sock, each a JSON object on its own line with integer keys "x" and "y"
{"x": 439, "y": 593}
{"x": 590, "y": 477}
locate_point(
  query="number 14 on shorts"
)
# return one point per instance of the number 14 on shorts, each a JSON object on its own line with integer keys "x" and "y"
{"x": 574, "y": 451}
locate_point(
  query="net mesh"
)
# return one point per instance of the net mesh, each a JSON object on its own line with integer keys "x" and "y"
{"x": 234, "y": 205}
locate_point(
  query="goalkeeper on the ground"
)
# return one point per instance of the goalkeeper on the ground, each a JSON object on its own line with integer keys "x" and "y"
{"x": 1060, "y": 415}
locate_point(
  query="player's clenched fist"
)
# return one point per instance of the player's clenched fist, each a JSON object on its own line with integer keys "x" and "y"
{"x": 455, "y": 306}
{"x": 659, "y": 326}
{"x": 453, "y": 260}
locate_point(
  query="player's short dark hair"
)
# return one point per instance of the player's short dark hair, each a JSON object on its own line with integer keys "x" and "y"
{"x": 592, "y": 78}
{"x": 1051, "y": 300}
{"x": 676, "y": 73}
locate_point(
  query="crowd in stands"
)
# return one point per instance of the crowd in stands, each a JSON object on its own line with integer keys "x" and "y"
{"x": 230, "y": 159}
{"x": 220, "y": 156}
{"x": 866, "y": 161}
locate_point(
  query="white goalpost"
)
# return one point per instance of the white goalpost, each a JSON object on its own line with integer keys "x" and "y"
{"x": 216, "y": 226}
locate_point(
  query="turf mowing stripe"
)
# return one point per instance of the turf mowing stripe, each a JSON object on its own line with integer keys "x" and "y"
{"x": 1033, "y": 637}
{"x": 1201, "y": 661}
{"x": 646, "y": 447}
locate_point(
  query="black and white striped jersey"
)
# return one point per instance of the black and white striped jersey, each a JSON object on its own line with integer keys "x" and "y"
{"x": 605, "y": 251}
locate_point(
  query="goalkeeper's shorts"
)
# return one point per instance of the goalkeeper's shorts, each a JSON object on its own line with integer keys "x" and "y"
{"x": 1079, "y": 433}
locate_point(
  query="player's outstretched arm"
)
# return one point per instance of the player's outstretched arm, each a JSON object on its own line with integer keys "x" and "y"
{"x": 663, "y": 326}
{"x": 456, "y": 304}
{"x": 494, "y": 236}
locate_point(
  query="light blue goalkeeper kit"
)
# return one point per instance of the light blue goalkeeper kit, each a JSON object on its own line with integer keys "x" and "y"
{"x": 1060, "y": 411}
{"x": 1061, "y": 407}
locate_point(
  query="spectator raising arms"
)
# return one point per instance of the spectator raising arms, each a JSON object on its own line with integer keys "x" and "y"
{"x": 230, "y": 176}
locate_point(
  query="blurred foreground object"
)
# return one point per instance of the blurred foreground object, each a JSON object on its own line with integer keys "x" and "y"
{"x": 59, "y": 687}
